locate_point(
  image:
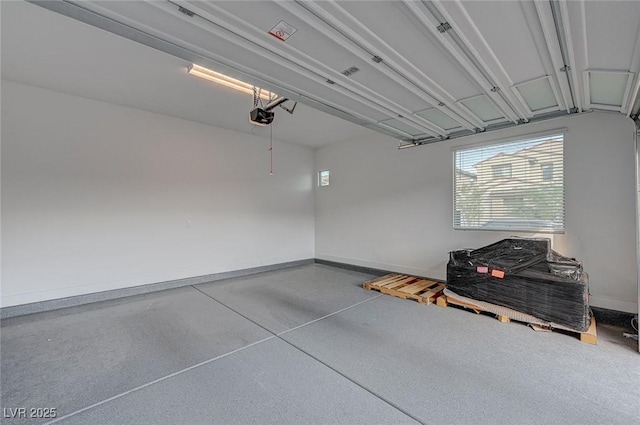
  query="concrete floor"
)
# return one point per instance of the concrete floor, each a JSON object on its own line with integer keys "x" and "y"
{"x": 305, "y": 345}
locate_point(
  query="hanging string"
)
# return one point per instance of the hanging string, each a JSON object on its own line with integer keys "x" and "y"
{"x": 271, "y": 148}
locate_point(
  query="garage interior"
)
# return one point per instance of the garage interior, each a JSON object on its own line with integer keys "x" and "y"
{"x": 167, "y": 260}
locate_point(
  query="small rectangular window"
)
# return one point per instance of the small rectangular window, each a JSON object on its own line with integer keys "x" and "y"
{"x": 323, "y": 178}
{"x": 517, "y": 185}
{"x": 501, "y": 171}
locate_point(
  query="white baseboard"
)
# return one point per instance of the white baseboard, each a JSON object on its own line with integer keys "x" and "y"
{"x": 397, "y": 268}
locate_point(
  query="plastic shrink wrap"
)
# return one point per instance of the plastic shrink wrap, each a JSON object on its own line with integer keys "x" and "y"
{"x": 524, "y": 274}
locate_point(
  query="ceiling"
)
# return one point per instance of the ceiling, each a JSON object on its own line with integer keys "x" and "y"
{"x": 415, "y": 70}
{"x": 45, "y": 49}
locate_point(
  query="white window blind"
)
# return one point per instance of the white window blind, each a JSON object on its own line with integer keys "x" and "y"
{"x": 511, "y": 186}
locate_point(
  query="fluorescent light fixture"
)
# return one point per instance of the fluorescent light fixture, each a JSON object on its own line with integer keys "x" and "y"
{"x": 406, "y": 146}
{"x": 216, "y": 77}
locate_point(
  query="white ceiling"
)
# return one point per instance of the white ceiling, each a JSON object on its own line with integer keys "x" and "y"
{"x": 491, "y": 64}
{"x": 48, "y": 50}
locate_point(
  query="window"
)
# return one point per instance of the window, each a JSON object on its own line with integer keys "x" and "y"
{"x": 513, "y": 186}
{"x": 501, "y": 171}
{"x": 547, "y": 171}
{"x": 323, "y": 178}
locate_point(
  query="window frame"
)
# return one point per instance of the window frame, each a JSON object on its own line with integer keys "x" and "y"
{"x": 456, "y": 214}
{"x": 506, "y": 166}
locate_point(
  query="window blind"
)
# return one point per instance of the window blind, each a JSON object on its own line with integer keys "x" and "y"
{"x": 516, "y": 185}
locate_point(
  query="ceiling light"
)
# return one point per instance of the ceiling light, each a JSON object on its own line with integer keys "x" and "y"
{"x": 216, "y": 77}
{"x": 407, "y": 145}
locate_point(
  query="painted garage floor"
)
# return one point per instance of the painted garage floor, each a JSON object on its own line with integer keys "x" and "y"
{"x": 305, "y": 345}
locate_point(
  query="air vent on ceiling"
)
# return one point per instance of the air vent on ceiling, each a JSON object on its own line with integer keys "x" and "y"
{"x": 186, "y": 11}
{"x": 350, "y": 71}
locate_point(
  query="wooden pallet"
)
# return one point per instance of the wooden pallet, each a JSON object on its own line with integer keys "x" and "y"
{"x": 589, "y": 337}
{"x": 402, "y": 286}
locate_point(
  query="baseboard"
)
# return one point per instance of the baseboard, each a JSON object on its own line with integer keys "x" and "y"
{"x": 367, "y": 270}
{"x": 376, "y": 265}
{"x": 352, "y": 267}
{"x": 613, "y": 317}
{"x": 41, "y": 306}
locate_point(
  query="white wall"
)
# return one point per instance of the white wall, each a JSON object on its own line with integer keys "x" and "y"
{"x": 97, "y": 196}
{"x": 392, "y": 209}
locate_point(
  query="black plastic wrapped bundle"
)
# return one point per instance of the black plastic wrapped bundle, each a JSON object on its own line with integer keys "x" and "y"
{"x": 525, "y": 275}
{"x": 512, "y": 255}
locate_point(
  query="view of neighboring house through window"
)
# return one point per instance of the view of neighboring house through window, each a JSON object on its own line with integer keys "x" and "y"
{"x": 323, "y": 178}
{"x": 517, "y": 185}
